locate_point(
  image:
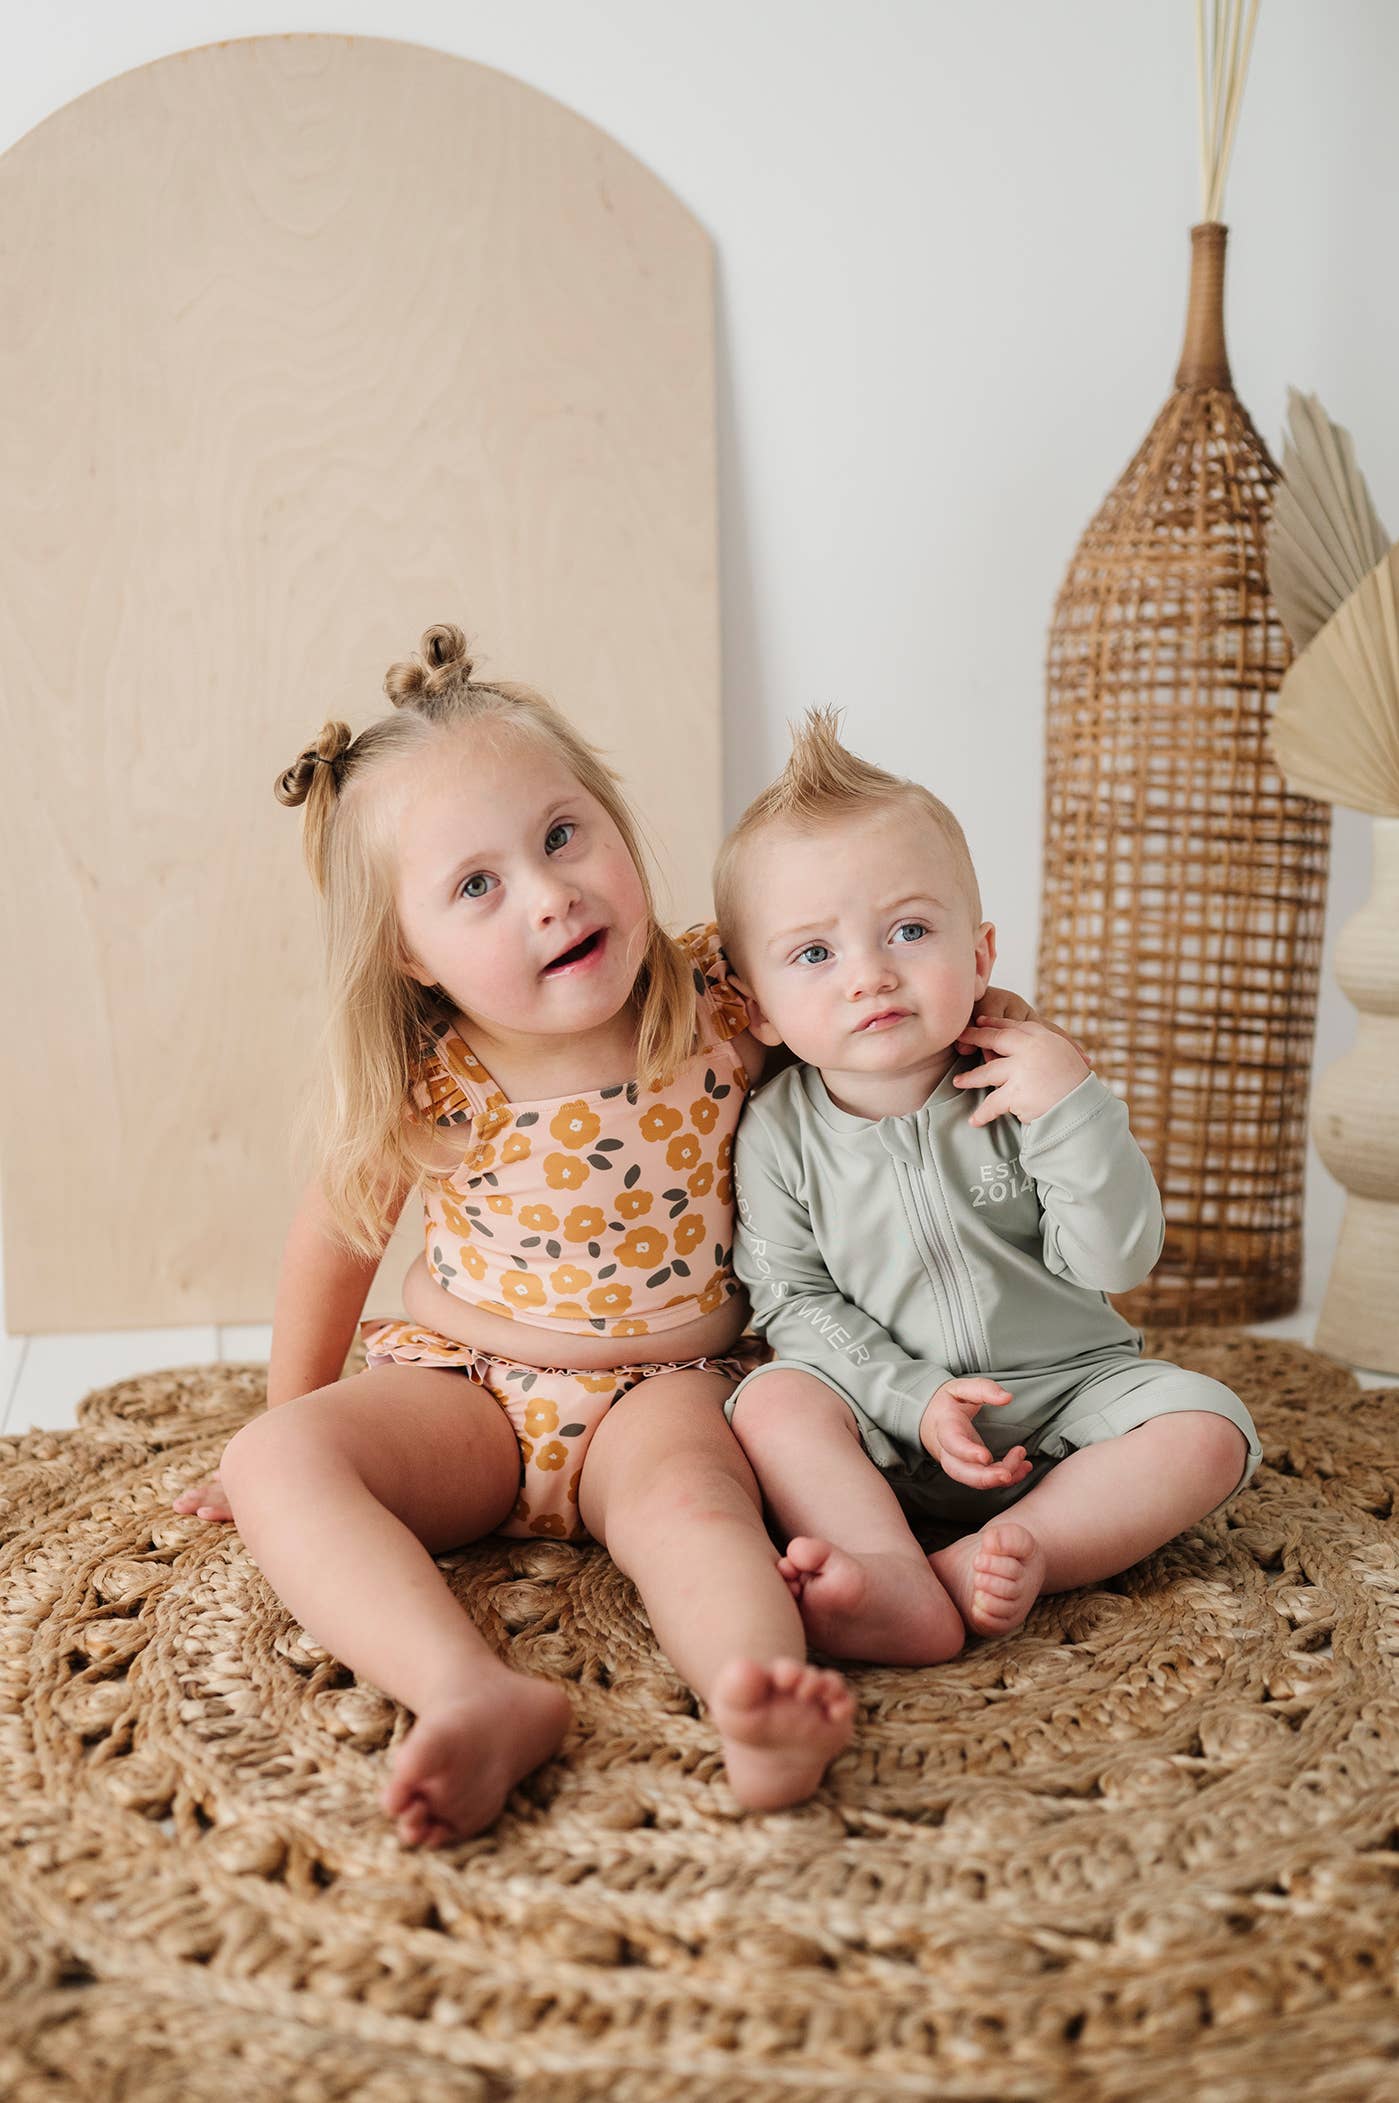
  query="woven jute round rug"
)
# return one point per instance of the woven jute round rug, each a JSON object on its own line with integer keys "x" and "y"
{"x": 1147, "y": 1847}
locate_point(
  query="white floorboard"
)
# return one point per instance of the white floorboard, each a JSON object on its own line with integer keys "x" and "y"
{"x": 57, "y": 1371}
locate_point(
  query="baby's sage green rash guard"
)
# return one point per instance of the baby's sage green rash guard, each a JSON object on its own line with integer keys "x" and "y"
{"x": 890, "y": 1254}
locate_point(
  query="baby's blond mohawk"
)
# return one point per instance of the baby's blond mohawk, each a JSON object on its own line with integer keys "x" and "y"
{"x": 823, "y": 781}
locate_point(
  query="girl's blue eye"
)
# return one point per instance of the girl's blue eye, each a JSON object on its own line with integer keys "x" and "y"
{"x": 803, "y": 954}
{"x": 919, "y": 930}
{"x": 563, "y": 826}
{"x": 479, "y": 878}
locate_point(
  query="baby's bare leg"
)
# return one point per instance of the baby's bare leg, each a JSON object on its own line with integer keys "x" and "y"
{"x": 1106, "y": 1506}
{"x": 864, "y": 1585}
{"x": 667, "y": 1490}
{"x": 343, "y": 1497}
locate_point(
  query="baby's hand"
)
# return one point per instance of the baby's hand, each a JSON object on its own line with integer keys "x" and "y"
{"x": 998, "y": 1005}
{"x": 207, "y": 1501}
{"x": 946, "y": 1433}
{"x": 1034, "y": 1068}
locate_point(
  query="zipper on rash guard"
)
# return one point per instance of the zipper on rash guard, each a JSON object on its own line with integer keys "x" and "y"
{"x": 937, "y": 1260}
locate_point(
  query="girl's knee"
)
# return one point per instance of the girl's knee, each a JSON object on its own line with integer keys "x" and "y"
{"x": 256, "y": 1444}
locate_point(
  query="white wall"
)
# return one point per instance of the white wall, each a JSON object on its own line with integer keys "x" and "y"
{"x": 952, "y": 248}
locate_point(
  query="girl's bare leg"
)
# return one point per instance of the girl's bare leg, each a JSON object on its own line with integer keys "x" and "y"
{"x": 343, "y": 1497}
{"x": 1096, "y": 1512}
{"x": 667, "y": 1490}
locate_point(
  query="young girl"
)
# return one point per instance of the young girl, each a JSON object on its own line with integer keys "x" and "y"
{"x": 513, "y": 1034}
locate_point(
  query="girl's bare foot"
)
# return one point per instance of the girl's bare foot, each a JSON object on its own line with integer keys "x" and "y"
{"x": 995, "y": 1576}
{"x": 884, "y": 1608}
{"x": 782, "y": 1725}
{"x": 464, "y": 1755}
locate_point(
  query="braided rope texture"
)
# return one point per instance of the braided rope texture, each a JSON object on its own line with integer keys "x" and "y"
{"x": 1146, "y": 1847}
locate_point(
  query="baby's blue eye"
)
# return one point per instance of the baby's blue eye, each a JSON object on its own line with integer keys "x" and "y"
{"x": 810, "y": 950}
{"x": 563, "y": 826}
{"x": 919, "y": 930}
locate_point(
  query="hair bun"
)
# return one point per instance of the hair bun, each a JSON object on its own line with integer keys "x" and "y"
{"x": 443, "y": 662}
{"x": 294, "y": 786}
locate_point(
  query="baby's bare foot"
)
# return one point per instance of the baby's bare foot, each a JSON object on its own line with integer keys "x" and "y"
{"x": 463, "y": 1756}
{"x": 995, "y": 1576}
{"x": 782, "y": 1725}
{"x": 885, "y": 1609}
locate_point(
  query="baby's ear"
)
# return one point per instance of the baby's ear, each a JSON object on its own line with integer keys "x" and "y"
{"x": 757, "y": 1021}
{"x": 985, "y": 956}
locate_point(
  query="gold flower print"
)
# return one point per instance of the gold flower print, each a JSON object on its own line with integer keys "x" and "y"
{"x": 516, "y": 1148}
{"x": 538, "y": 1218}
{"x": 565, "y": 1171}
{"x": 699, "y": 1183}
{"x": 703, "y": 1114}
{"x": 643, "y": 1248}
{"x": 629, "y": 1329}
{"x": 541, "y": 1418}
{"x": 472, "y": 1261}
{"x": 575, "y": 1125}
{"x": 689, "y": 1233}
{"x": 684, "y": 1152}
{"x": 610, "y": 1299}
{"x": 568, "y": 1278}
{"x": 660, "y": 1121}
{"x": 552, "y": 1455}
{"x": 452, "y": 1214}
{"x": 584, "y": 1223}
{"x": 523, "y": 1288}
{"x": 498, "y": 1201}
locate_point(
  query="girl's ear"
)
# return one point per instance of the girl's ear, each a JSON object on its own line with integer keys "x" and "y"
{"x": 757, "y": 1021}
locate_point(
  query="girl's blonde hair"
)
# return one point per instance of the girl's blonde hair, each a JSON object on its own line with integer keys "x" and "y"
{"x": 370, "y": 1139}
{"x": 821, "y": 782}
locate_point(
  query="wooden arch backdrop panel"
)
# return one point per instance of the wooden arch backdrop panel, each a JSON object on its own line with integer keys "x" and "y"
{"x": 308, "y": 342}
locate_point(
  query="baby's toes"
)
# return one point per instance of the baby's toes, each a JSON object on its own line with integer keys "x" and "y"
{"x": 836, "y": 1700}
{"x": 990, "y": 1584}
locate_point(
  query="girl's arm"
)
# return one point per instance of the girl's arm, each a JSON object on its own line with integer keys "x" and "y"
{"x": 321, "y": 1290}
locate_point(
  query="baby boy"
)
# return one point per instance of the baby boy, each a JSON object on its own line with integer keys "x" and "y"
{"x": 931, "y": 1215}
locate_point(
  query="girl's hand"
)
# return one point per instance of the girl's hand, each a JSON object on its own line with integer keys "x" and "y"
{"x": 1027, "y": 1066}
{"x": 207, "y": 1501}
{"x": 946, "y": 1433}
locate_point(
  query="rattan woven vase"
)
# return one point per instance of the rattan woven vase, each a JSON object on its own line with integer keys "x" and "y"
{"x": 1184, "y": 886}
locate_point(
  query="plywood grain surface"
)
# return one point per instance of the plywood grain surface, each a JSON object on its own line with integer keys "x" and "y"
{"x": 306, "y": 342}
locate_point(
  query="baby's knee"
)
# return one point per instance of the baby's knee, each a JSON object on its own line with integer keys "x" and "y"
{"x": 1215, "y": 1445}
{"x": 771, "y": 1407}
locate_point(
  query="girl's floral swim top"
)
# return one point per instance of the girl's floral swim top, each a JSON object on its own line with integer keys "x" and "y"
{"x": 609, "y": 1213}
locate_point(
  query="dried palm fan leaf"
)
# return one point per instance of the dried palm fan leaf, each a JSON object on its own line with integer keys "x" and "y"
{"x": 1325, "y": 536}
{"x": 1335, "y": 733}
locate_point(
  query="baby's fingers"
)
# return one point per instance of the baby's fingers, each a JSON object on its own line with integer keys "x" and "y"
{"x": 1000, "y": 1474}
